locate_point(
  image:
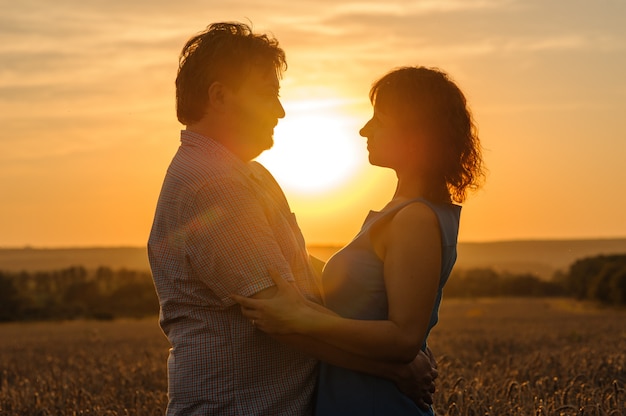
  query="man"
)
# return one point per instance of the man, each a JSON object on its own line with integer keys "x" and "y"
{"x": 221, "y": 223}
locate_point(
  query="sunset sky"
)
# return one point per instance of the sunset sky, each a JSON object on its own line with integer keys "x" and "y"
{"x": 88, "y": 126}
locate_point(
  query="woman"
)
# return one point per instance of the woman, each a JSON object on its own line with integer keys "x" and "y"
{"x": 383, "y": 290}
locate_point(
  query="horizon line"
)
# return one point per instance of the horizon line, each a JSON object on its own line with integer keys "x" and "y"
{"x": 318, "y": 244}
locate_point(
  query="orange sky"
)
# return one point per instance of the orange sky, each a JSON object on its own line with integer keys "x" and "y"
{"x": 88, "y": 120}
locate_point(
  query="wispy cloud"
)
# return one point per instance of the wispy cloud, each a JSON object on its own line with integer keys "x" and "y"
{"x": 424, "y": 7}
{"x": 79, "y": 78}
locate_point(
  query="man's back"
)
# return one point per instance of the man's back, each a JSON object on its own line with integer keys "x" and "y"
{"x": 219, "y": 225}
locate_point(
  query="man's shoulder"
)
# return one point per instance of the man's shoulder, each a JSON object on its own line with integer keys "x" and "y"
{"x": 261, "y": 172}
{"x": 196, "y": 169}
{"x": 259, "y": 169}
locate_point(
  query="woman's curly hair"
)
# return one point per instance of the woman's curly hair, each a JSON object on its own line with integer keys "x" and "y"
{"x": 428, "y": 98}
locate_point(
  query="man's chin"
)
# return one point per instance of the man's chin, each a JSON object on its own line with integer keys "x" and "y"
{"x": 268, "y": 143}
{"x": 264, "y": 145}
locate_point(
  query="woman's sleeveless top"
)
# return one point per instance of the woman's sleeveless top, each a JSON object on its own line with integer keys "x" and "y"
{"x": 354, "y": 287}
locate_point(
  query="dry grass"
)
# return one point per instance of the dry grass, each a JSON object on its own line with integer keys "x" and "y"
{"x": 83, "y": 368}
{"x": 530, "y": 357}
{"x": 497, "y": 357}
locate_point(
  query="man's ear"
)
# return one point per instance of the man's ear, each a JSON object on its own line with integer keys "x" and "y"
{"x": 218, "y": 93}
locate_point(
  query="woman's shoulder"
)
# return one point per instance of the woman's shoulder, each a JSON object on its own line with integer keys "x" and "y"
{"x": 421, "y": 207}
{"x": 422, "y": 215}
{"x": 416, "y": 214}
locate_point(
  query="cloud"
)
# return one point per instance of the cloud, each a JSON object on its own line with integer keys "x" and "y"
{"x": 424, "y": 7}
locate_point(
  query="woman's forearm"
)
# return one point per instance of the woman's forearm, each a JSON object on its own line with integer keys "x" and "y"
{"x": 330, "y": 354}
{"x": 378, "y": 340}
{"x": 286, "y": 311}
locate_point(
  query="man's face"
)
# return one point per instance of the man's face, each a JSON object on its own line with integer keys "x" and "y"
{"x": 256, "y": 109}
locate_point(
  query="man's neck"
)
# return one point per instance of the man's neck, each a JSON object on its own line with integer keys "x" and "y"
{"x": 240, "y": 150}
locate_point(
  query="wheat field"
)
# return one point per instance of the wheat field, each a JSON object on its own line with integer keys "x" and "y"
{"x": 496, "y": 357}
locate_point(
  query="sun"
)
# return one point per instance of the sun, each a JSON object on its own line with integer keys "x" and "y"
{"x": 316, "y": 149}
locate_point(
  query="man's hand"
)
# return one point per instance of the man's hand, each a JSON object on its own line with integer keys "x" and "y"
{"x": 417, "y": 379}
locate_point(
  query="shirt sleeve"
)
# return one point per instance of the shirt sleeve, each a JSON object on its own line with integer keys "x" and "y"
{"x": 229, "y": 241}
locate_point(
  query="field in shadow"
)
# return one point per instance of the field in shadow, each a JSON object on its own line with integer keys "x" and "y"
{"x": 496, "y": 356}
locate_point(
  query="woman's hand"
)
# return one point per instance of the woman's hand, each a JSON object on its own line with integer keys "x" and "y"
{"x": 284, "y": 313}
{"x": 417, "y": 379}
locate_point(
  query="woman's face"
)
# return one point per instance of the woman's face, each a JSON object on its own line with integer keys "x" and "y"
{"x": 391, "y": 143}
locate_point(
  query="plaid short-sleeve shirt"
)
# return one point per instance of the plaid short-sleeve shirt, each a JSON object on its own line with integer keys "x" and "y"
{"x": 219, "y": 225}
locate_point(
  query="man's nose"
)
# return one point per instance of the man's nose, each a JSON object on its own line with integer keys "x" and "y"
{"x": 280, "y": 110}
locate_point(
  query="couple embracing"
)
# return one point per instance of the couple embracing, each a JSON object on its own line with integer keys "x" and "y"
{"x": 254, "y": 330}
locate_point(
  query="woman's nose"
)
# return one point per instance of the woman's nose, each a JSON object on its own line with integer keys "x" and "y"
{"x": 365, "y": 129}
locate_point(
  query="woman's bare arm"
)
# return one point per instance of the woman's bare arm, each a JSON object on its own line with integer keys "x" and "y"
{"x": 412, "y": 259}
{"x": 415, "y": 379}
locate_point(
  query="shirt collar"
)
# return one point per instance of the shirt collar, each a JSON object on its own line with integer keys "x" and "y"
{"x": 212, "y": 146}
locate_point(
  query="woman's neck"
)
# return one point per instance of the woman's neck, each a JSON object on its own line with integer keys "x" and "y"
{"x": 419, "y": 186}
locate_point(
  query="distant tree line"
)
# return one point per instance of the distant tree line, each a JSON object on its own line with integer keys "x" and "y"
{"x": 104, "y": 293}
{"x": 601, "y": 279}
{"x": 75, "y": 292}
{"x": 473, "y": 283}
